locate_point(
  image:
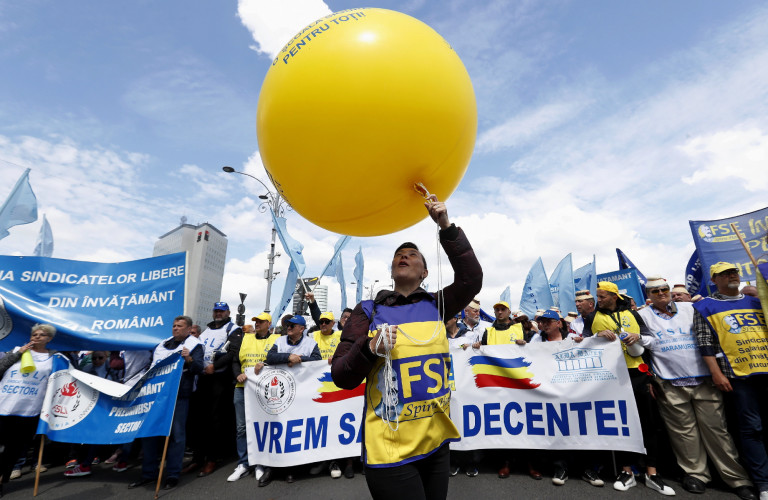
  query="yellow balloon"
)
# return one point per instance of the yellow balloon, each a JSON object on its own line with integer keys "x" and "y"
{"x": 355, "y": 110}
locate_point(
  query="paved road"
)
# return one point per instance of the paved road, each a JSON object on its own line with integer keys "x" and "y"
{"x": 104, "y": 484}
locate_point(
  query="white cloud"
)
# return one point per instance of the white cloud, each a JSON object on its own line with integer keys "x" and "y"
{"x": 732, "y": 154}
{"x": 273, "y": 22}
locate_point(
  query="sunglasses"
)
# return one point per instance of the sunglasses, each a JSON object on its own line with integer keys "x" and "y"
{"x": 325, "y": 322}
{"x": 656, "y": 291}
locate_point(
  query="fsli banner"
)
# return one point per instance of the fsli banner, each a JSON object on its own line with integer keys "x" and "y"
{"x": 716, "y": 241}
{"x": 127, "y": 305}
{"x": 82, "y": 408}
{"x": 553, "y": 395}
{"x": 627, "y": 281}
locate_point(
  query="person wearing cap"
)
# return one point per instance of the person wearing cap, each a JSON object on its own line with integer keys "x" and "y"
{"x": 291, "y": 349}
{"x": 613, "y": 319}
{"x": 212, "y": 401}
{"x": 251, "y": 354}
{"x": 585, "y": 305}
{"x": 680, "y": 294}
{"x": 314, "y": 311}
{"x": 472, "y": 322}
{"x": 732, "y": 336}
{"x": 551, "y": 326}
{"x": 417, "y": 461}
{"x": 503, "y": 330}
{"x": 692, "y": 408}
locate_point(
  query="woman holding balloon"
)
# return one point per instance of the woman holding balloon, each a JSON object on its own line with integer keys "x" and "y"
{"x": 398, "y": 346}
{"x": 24, "y": 374}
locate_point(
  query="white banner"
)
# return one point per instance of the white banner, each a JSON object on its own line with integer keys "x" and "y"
{"x": 553, "y": 395}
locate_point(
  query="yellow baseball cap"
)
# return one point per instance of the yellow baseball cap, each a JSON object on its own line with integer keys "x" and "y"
{"x": 501, "y": 303}
{"x": 327, "y": 315}
{"x": 265, "y": 316}
{"x": 720, "y": 267}
{"x": 608, "y": 287}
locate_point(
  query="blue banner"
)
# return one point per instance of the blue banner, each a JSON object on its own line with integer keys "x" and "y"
{"x": 82, "y": 408}
{"x": 716, "y": 241}
{"x": 127, "y": 305}
{"x": 628, "y": 283}
{"x": 695, "y": 282}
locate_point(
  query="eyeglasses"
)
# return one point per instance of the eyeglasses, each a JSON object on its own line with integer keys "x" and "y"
{"x": 325, "y": 322}
{"x": 730, "y": 272}
{"x": 656, "y": 291}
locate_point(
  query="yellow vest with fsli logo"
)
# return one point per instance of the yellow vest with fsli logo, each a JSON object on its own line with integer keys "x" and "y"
{"x": 254, "y": 350}
{"x": 417, "y": 398}
{"x": 628, "y": 323}
{"x": 327, "y": 343}
{"x": 508, "y": 336}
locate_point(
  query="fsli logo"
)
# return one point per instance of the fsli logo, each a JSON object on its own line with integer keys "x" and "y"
{"x": 746, "y": 322}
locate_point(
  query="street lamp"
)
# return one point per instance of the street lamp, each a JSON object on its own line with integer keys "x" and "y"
{"x": 278, "y": 205}
{"x": 371, "y": 289}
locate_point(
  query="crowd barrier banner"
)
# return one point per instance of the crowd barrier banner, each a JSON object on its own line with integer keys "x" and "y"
{"x": 554, "y": 395}
{"x": 628, "y": 283}
{"x": 716, "y": 241}
{"x": 127, "y": 305}
{"x": 83, "y": 408}
{"x": 560, "y": 395}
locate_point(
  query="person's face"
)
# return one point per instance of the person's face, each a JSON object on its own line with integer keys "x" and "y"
{"x": 408, "y": 265}
{"x": 585, "y": 306}
{"x": 549, "y": 325}
{"x": 180, "y": 329}
{"x": 261, "y": 326}
{"x": 344, "y": 317}
{"x": 220, "y": 315}
{"x": 606, "y": 300}
{"x": 728, "y": 281}
{"x": 39, "y": 339}
{"x": 660, "y": 297}
{"x": 295, "y": 331}
{"x": 326, "y": 326}
{"x": 194, "y": 330}
{"x": 98, "y": 358}
{"x": 502, "y": 313}
{"x": 472, "y": 313}
{"x": 680, "y": 296}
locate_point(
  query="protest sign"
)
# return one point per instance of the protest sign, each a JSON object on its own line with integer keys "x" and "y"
{"x": 628, "y": 283}
{"x": 127, "y": 305}
{"x": 83, "y": 408}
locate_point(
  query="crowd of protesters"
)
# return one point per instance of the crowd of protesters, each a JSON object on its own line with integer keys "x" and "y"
{"x": 694, "y": 402}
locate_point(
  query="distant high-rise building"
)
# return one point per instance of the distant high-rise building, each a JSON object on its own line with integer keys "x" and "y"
{"x": 206, "y": 249}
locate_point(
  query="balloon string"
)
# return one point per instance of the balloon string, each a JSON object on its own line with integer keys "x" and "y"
{"x": 389, "y": 400}
{"x": 422, "y": 190}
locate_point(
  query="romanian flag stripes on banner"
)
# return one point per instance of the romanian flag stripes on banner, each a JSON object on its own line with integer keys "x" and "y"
{"x": 512, "y": 373}
{"x": 329, "y": 393}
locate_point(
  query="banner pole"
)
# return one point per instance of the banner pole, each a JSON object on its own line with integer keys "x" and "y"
{"x": 162, "y": 466}
{"x": 744, "y": 244}
{"x": 39, "y": 463}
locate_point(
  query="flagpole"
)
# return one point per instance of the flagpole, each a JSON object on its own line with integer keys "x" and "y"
{"x": 746, "y": 247}
{"x": 39, "y": 463}
{"x": 162, "y": 460}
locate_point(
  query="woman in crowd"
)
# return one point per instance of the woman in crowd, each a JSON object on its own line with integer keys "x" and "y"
{"x": 405, "y": 457}
{"x": 22, "y": 396}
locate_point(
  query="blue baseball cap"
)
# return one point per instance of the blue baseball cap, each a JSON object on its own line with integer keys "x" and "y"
{"x": 298, "y": 320}
{"x": 221, "y": 306}
{"x": 549, "y": 314}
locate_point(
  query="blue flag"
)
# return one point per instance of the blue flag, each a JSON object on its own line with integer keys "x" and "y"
{"x": 562, "y": 287}
{"x": 536, "y": 293}
{"x": 625, "y": 263}
{"x": 44, "y": 245}
{"x": 290, "y": 245}
{"x": 627, "y": 282}
{"x": 695, "y": 282}
{"x": 20, "y": 207}
{"x": 358, "y": 273}
{"x": 83, "y": 408}
{"x": 505, "y": 296}
{"x": 336, "y": 269}
{"x": 585, "y": 278}
{"x": 288, "y": 290}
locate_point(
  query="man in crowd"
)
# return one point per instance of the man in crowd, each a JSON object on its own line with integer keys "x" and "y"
{"x": 585, "y": 305}
{"x": 730, "y": 329}
{"x": 614, "y": 318}
{"x": 291, "y": 349}
{"x": 503, "y": 330}
{"x": 472, "y": 322}
{"x": 192, "y": 352}
{"x": 692, "y": 408}
{"x": 213, "y": 419}
{"x": 250, "y": 353}
{"x": 680, "y": 294}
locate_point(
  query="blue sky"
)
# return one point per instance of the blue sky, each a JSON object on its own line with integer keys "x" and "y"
{"x": 601, "y": 124}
